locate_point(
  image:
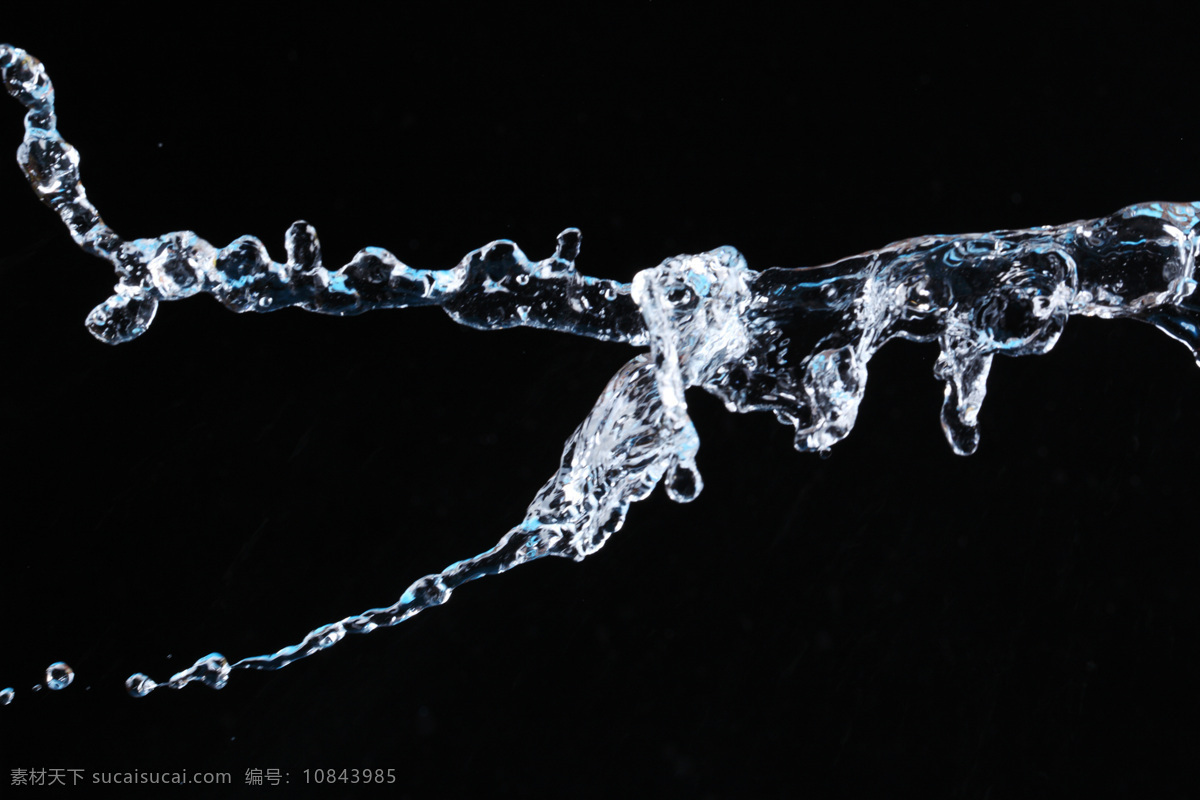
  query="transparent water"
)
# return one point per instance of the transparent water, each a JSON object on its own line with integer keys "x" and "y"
{"x": 793, "y": 341}
{"x": 59, "y": 676}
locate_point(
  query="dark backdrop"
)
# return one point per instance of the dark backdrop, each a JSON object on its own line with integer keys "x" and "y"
{"x": 892, "y": 619}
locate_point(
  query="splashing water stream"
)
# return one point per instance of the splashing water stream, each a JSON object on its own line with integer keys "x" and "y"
{"x": 793, "y": 341}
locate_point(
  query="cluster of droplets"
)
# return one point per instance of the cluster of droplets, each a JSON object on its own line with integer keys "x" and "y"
{"x": 796, "y": 342}
{"x": 57, "y": 677}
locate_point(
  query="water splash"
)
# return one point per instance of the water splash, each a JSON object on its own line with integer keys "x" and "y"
{"x": 6, "y": 695}
{"x": 796, "y": 342}
{"x": 59, "y": 675}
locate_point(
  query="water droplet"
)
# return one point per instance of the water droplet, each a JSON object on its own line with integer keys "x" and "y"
{"x": 59, "y": 676}
{"x": 523, "y": 278}
{"x": 6, "y": 695}
{"x": 139, "y": 685}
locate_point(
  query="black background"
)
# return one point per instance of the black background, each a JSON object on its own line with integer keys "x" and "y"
{"x": 893, "y": 619}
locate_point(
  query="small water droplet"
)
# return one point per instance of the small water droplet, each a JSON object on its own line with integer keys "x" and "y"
{"x": 139, "y": 685}
{"x": 6, "y": 695}
{"x": 59, "y": 676}
{"x": 523, "y": 278}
